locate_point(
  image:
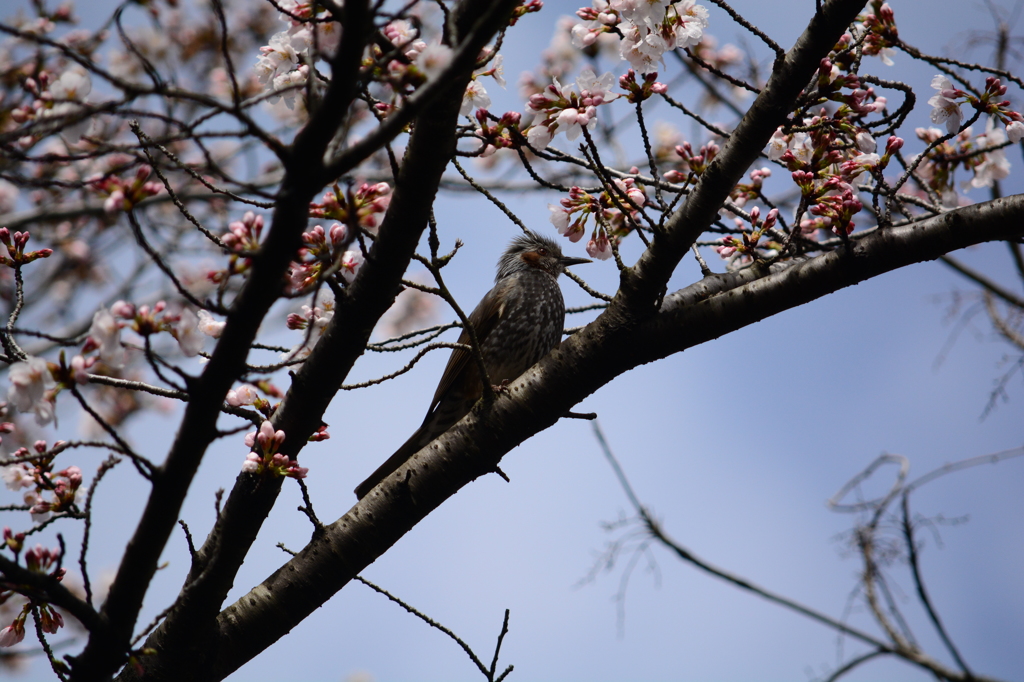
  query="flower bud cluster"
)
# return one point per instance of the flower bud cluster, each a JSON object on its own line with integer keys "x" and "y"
{"x": 38, "y": 560}
{"x": 16, "y": 254}
{"x": 692, "y": 165}
{"x": 744, "y": 192}
{"x": 363, "y": 207}
{"x": 503, "y": 135}
{"x": 145, "y": 320}
{"x": 638, "y": 92}
{"x": 829, "y": 151}
{"x": 525, "y": 8}
{"x": 747, "y": 246}
{"x": 243, "y": 239}
{"x": 45, "y": 491}
{"x": 123, "y": 195}
{"x": 265, "y": 459}
{"x": 879, "y": 32}
{"x": 561, "y": 109}
{"x": 946, "y": 106}
{"x": 610, "y": 225}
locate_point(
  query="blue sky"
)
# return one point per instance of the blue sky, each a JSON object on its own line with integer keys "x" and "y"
{"x": 735, "y": 445}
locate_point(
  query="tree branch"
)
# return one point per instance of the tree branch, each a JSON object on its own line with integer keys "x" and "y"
{"x": 584, "y": 362}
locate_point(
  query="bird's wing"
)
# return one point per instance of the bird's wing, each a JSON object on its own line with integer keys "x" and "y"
{"x": 483, "y": 318}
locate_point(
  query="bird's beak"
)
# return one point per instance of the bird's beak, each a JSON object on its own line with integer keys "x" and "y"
{"x": 566, "y": 262}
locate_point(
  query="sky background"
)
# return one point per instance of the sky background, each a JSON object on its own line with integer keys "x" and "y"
{"x": 734, "y": 445}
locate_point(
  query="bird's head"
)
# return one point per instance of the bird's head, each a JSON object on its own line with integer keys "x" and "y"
{"x": 532, "y": 251}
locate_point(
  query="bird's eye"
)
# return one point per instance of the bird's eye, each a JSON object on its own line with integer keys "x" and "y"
{"x": 542, "y": 252}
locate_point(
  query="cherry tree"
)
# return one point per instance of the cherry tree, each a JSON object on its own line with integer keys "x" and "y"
{"x": 213, "y": 211}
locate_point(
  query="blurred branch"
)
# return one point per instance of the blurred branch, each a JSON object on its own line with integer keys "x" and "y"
{"x": 984, "y": 282}
{"x": 898, "y": 647}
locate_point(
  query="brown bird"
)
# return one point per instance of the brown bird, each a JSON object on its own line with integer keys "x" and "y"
{"x": 516, "y": 324}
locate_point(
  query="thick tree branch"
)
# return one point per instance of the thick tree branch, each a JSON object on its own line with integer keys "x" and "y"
{"x": 646, "y": 281}
{"x": 51, "y": 590}
{"x": 316, "y": 382}
{"x": 583, "y": 363}
{"x": 102, "y": 656}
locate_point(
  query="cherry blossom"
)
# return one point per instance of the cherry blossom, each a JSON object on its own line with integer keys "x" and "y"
{"x": 404, "y": 36}
{"x": 280, "y": 56}
{"x": 73, "y": 85}
{"x": 209, "y": 325}
{"x": 106, "y": 333}
{"x": 1015, "y": 131}
{"x": 599, "y": 246}
{"x": 287, "y": 87}
{"x": 13, "y": 633}
{"x": 945, "y": 109}
{"x": 865, "y": 142}
{"x": 351, "y": 261}
{"x": 994, "y": 165}
{"x": 475, "y": 97}
{"x": 19, "y": 475}
{"x": 647, "y": 28}
{"x": 246, "y": 394}
{"x": 187, "y": 332}
{"x": 30, "y": 381}
{"x": 561, "y": 109}
{"x": 434, "y": 59}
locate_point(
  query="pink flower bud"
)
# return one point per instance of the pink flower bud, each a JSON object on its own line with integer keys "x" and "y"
{"x": 123, "y": 309}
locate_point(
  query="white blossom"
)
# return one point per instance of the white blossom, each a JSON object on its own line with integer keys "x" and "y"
{"x": 995, "y": 165}
{"x": 777, "y": 145}
{"x": 190, "y": 339}
{"x": 865, "y": 142}
{"x": 276, "y": 58}
{"x": 18, "y": 476}
{"x": 68, "y": 92}
{"x": 498, "y": 69}
{"x": 73, "y": 85}
{"x": 475, "y": 97}
{"x": 246, "y": 394}
{"x": 351, "y": 261}
{"x": 945, "y": 110}
{"x": 1015, "y": 131}
{"x": 434, "y": 59}
{"x": 210, "y": 325}
{"x": 30, "y": 380}
{"x": 106, "y": 332}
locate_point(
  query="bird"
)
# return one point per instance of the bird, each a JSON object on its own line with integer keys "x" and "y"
{"x": 516, "y": 324}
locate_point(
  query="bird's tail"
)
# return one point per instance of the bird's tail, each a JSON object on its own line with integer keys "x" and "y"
{"x": 408, "y": 449}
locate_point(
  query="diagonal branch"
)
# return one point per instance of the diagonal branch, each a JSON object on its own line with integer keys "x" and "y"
{"x": 984, "y": 282}
{"x": 586, "y": 361}
{"x": 648, "y": 278}
{"x": 315, "y": 383}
